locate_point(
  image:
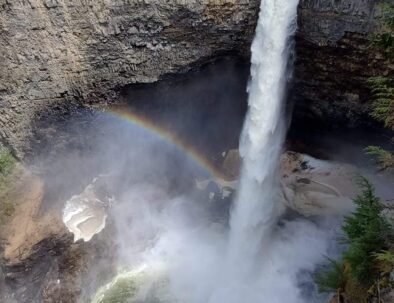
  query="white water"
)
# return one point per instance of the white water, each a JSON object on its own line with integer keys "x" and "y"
{"x": 255, "y": 210}
{"x": 262, "y": 137}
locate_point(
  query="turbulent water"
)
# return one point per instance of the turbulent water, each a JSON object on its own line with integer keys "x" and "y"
{"x": 255, "y": 210}
{"x": 263, "y": 133}
{"x": 261, "y": 142}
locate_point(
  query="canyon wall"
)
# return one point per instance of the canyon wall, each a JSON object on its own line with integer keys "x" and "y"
{"x": 58, "y": 54}
{"x": 55, "y": 53}
{"x": 335, "y": 57}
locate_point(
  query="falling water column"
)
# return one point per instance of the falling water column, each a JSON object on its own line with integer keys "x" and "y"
{"x": 261, "y": 141}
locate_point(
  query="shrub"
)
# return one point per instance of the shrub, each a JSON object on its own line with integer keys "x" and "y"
{"x": 8, "y": 176}
{"x": 386, "y": 260}
{"x": 355, "y": 292}
{"x": 385, "y": 40}
{"x": 369, "y": 238}
{"x": 366, "y": 231}
{"x": 7, "y": 162}
{"x": 333, "y": 278}
{"x": 384, "y": 158}
{"x": 382, "y": 89}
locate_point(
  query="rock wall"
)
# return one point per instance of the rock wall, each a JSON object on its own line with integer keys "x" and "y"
{"x": 335, "y": 57}
{"x": 58, "y": 54}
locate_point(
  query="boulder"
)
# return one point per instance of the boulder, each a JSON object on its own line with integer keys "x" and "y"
{"x": 316, "y": 187}
{"x": 231, "y": 162}
{"x": 309, "y": 186}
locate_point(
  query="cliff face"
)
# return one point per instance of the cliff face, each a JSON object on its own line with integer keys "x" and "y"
{"x": 335, "y": 57}
{"x": 57, "y": 54}
{"x": 327, "y": 21}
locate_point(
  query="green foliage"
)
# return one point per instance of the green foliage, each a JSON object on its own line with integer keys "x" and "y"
{"x": 355, "y": 292}
{"x": 135, "y": 287}
{"x": 333, "y": 278}
{"x": 7, "y": 162}
{"x": 385, "y": 40}
{"x": 384, "y": 158}
{"x": 367, "y": 232}
{"x": 120, "y": 291}
{"x": 385, "y": 263}
{"x": 368, "y": 256}
{"x": 7, "y": 178}
{"x": 7, "y": 165}
{"x": 382, "y": 89}
{"x": 386, "y": 260}
{"x": 385, "y": 256}
{"x": 7, "y": 209}
{"x": 388, "y": 15}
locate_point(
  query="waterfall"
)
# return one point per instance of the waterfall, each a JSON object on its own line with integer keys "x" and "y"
{"x": 255, "y": 210}
{"x": 257, "y": 260}
{"x": 263, "y": 132}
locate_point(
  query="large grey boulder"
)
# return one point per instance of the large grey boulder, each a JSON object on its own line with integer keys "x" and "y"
{"x": 317, "y": 187}
{"x": 308, "y": 185}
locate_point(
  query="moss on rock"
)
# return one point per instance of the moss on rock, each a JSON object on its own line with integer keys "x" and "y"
{"x": 9, "y": 175}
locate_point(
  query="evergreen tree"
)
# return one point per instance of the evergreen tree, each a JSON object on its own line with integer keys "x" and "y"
{"x": 367, "y": 231}
{"x": 369, "y": 253}
{"x": 382, "y": 88}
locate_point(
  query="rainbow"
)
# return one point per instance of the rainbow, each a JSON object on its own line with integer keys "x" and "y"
{"x": 141, "y": 121}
